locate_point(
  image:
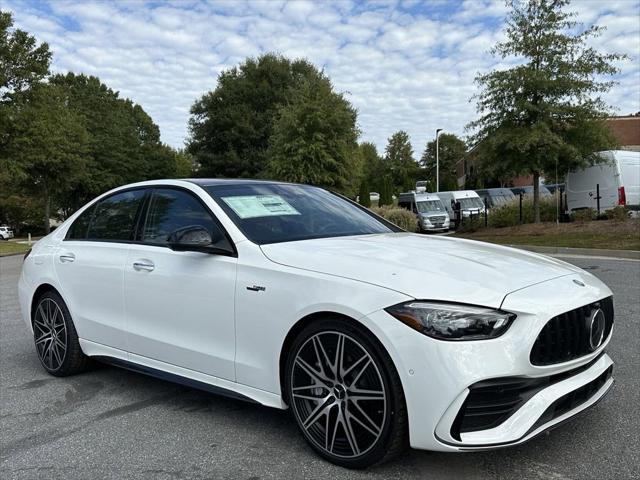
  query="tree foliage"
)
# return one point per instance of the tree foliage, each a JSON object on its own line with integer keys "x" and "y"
{"x": 314, "y": 138}
{"x": 451, "y": 149}
{"x": 22, "y": 61}
{"x": 231, "y": 126}
{"x": 546, "y": 111}
{"x": 399, "y": 161}
{"x": 124, "y": 142}
{"x": 48, "y": 145}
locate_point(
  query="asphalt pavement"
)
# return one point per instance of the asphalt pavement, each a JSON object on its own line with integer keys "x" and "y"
{"x": 111, "y": 423}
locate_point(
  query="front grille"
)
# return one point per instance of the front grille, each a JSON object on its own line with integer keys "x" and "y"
{"x": 491, "y": 402}
{"x": 566, "y": 336}
{"x": 437, "y": 219}
{"x": 573, "y": 399}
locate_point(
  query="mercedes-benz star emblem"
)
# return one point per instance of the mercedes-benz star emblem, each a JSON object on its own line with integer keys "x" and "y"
{"x": 595, "y": 326}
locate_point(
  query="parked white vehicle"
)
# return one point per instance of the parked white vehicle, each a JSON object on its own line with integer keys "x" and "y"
{"x": 618, "y": 178}
{"x": 470, "y": 202}
{"x": 432, "y": 216}
{"x": 293, "y": 297}
{"x": 5, "y": 233}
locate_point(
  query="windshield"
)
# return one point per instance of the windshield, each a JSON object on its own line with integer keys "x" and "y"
{"x": 430, "y": 206}
{"x": 273, "y": 213}
{"x": 501, "y": 199}
{"x": 470, "y": 203}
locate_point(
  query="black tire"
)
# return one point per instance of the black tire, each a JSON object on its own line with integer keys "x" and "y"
{"x": 60, "y": 353}
{"x": 387, "y": 419}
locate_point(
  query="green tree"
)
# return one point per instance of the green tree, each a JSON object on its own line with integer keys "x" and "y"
{"x": 373, "y": 167}
{"x": 22, "y": 61}
{"x": 386, "y": 191}
{"x": 231, "y": 126}
{"x": 124, "y": 142}
{"x": 364, "y": 197}
{"x": 184, "y": 164}
{"x": 314, "y": 138}
{"x": 451, "y": 149}
{"x": 546, "y": 112}
{"x": 47, "y": 145}
{"x": 399, "y": 161}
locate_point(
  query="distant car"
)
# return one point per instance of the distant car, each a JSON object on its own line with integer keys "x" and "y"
{"x": 5, "y": 233}
{"x": 432, "y": 214}
{"x": 618, "y": 179}
{"x": 544, "y": 191}
{"x": 553, "y": 187}
{"x": 374, "y": 196}
{"x": 496, "y": 197}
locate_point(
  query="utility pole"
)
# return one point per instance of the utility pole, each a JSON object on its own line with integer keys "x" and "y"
{"x": 438, "y": 160}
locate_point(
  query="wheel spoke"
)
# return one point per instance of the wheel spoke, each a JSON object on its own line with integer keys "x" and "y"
{"x": 337, "y": 366}
{"x": 358, "y": 394}
{"x": 317, "y": 347}
{"x": 362, "y": 364}
{"x": 45, "y": 336}
{"x": 308, "y": 397}
{"x": 317, "y": 376}
{"x": 351, "y": 437}
{"x": 370, "y": 425}
{"x": 60, "y": 344}
{"x": 317, "y": 413}
{"x": 56, "y": 354}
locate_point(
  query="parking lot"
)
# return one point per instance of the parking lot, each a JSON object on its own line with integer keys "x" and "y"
{"x": 111, "y": 423}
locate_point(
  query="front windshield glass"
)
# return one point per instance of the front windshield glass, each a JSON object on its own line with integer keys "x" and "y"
{"x": 427, "y": 206}
{"x": 470, "y": 203}
{"x": 273, "y": 213}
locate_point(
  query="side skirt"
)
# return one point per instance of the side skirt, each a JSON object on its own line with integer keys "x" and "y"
{"x": 172, "y": 377}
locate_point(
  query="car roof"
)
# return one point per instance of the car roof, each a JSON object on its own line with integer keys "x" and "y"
{"x": 210, "y": 182}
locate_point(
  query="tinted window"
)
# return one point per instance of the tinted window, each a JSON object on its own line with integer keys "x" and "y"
{"x": 171, "y": 210}
{"x": 78, "y": 230}
{"x": 271, "y": 213}
{"x": 114, "y": 217}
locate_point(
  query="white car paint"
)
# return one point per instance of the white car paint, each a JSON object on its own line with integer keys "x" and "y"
{"x": 193, "y": 316}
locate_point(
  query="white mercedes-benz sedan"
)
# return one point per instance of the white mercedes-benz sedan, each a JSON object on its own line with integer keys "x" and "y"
{"x": 294, "y": 297}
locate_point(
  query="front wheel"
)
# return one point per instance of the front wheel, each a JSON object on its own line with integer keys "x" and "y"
{"x": 345, "y": 395}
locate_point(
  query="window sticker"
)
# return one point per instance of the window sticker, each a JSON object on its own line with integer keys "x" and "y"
{"x": 252, "y": 206}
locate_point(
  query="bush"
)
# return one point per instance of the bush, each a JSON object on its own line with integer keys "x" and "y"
{"x": 619, "y": 214}
{"x": 584, "y": 215}
{"x": 398, "y": 216}
{"x": 509, "y": 215}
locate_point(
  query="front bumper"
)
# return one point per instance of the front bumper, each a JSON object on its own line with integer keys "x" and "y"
{"x": 437, "y": 375}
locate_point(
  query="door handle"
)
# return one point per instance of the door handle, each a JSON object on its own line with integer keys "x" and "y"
{"x": 145, "y": 265}
{"x": 67, "y": 257}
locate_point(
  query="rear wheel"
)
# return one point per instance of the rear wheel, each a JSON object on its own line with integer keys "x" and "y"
{"x": 55, "y": 337}
{"x": 345, "y": 395}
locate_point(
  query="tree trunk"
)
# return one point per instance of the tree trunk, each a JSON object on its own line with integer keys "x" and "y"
{"x": 47, "y": 211}
{"x": 536, "y": 196}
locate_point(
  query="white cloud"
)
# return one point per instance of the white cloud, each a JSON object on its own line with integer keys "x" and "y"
{"x": 403, "y": 64}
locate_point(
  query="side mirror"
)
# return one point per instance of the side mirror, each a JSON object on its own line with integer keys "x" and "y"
{"x": 194, "y": 238}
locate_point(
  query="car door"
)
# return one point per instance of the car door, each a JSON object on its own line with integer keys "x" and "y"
{"x": 89, "y": 264}
{"x": 180, "y": 304}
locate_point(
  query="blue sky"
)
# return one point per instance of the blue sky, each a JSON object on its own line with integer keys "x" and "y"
{"x": 404, "y": 64}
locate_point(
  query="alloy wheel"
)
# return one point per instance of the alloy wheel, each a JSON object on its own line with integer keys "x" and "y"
{"x": 338, "y": 394}
{"x": 50, "y": 334}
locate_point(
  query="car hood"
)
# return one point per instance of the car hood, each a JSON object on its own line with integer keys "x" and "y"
{"x": 422, "y": 267}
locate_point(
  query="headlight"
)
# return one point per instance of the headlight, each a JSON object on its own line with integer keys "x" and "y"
{"x": 448, "y": 321}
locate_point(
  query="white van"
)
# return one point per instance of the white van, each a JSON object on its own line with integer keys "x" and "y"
{"x": 470, "y": 202}
{"x": 618, "y": 178}
{"x": 432, "y": 215}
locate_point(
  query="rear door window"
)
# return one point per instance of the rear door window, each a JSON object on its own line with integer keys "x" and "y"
{"x": 114, "y": 218}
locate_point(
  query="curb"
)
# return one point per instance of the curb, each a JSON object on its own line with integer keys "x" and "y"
{"x": 588, "y": 252}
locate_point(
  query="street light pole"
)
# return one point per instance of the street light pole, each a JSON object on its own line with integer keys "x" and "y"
{"x": 438, "y": 160}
